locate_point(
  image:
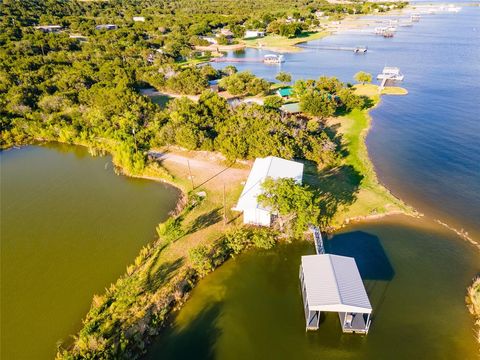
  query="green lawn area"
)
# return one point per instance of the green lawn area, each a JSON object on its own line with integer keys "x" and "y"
{"x": 352, "y": 189}
{"x": 280, "y": 43}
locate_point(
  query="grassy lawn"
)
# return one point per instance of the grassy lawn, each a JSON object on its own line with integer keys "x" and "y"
{"x": 352, "y": 190}
{"x": 195, "y": 61}
{"x": 280, "y": 43}
{"x": 372, "y": 90}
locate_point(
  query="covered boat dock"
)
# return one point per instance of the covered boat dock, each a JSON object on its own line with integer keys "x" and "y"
{"x": 333, "y": 283}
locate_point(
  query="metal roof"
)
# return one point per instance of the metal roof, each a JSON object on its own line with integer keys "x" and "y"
{"x": 288, "y": 91}
{"x": 262, "y": 168}
{"x": 291, "y": 108}
{"x": 333, "y": 283}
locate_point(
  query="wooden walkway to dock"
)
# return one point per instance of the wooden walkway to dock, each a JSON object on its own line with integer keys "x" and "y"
{"x": 317, "y": 238}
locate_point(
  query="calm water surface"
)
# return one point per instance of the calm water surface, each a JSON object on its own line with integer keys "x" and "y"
{"x": 426, "y": 148}
{"x": 251, "y": 308}
{"x": 69, "y": 228}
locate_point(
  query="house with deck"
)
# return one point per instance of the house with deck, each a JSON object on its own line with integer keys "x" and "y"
{"x": 263, "y": 168}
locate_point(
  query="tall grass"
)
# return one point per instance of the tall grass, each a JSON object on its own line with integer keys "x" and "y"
{"x": 473, "y": 303}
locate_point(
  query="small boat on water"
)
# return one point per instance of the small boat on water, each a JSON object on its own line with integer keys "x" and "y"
{"x": 360, "y": 49}
{"x": 273, "y": 59}
{"x": 385, "y": 31}
{"x": 391, "y": 73}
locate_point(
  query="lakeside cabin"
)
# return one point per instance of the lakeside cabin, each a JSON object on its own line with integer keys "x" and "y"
{"x": 332, "y": 283}
{"x": 252, "y": 34}
{"x": 263, "y": 168}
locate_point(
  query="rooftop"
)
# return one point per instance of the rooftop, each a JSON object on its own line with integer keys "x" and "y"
{"x": 333, "y": 283}
{"x": 263, "y": 168}
{"x": 287, "y": 91}
{"x": 292, "y": 108}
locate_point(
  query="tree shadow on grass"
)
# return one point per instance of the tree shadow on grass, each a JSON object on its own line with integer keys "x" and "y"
{"x": 158, "y": 276}
{"x": 337, "y": 187}
{"x": 205, "y": 220}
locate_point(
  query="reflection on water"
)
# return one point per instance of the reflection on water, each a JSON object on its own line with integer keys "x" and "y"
{"x": 69, "y": 227}
{"x": 251, "y": 307}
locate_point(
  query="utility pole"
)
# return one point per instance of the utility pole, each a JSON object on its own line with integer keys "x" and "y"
{"x": 224, "y": 206}
{"x": 190, "y": 172}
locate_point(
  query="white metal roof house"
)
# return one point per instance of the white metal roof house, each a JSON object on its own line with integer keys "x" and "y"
{"x": 273, "y": 167}
{"x": 251, "y": 34}
{"x": 332, "y": 283}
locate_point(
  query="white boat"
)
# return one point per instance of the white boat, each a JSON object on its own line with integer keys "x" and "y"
{"x": 273, "y": 59}
{"x": 415, "y": 17}
{"x": 390, "y": 73}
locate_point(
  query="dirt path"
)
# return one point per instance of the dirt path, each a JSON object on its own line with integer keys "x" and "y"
{"x": 208, "y": 169}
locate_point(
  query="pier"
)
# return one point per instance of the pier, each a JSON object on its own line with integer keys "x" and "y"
{"x": 236, "y": 60}
{"x": 317, "y": 238}
{"x": 356, "y": 49}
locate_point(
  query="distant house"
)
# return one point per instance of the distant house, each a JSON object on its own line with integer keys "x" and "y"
{"x": 251, "y": 34}
{"x": 227, "y": 33}
{"x": 319, "y": 14}
{"x": 285, "y": 92}
{"x": 78, "y": 37}
{"x": 211, "y": 40}
{"x": 138, "y": 19}
{"x": 49, "y": 28}
{"x": 263, "y": 168}
{"x": 106, "y": 27}
{"x": 290, "y": 109}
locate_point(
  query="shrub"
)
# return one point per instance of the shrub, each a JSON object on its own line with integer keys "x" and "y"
{"x": 201, "y": 259}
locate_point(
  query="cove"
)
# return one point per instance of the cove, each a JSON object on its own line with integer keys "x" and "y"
{"x": 251, "y": 307}
{"x": 69, "y": 228}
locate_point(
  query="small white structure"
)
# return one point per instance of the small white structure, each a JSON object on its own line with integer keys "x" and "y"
{"x": 139, "y": 19}
{"x": 391, "y": 73}
{"x": 211, "y": 40}
{"x": 250, "y": 34}
{"x": 106, "y": 27}
{"x": 269, "y": 167}
{"x": 49, "y": 28}
{"x": 332, "y": 283}
{"x": 273, "y": 59}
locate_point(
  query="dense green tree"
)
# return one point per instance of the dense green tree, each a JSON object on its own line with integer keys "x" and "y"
{"x": 283, "y": 77}
{"x": 295, "y": 205}
{"x": 363, "y": 77}
{"x": 319, "y": 104}
{"x": 273, "y": 102}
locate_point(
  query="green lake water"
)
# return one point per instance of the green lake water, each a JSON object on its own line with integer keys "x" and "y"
{"x": 69, "y": 228}
{"x": 251, "y": 308}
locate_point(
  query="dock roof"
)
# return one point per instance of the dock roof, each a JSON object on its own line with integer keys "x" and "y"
{"x": 333, "y": 283}
{"x": 263, "y": 168}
